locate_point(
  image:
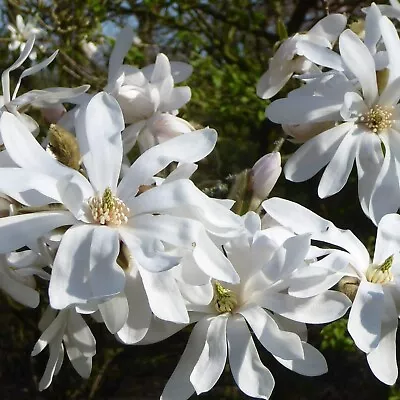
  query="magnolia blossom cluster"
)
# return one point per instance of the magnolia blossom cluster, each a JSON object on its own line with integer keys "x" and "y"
{"x": 136, "y": 246}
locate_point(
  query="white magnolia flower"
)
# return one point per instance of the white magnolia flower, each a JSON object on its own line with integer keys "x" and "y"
{"x": 391, "y": 11}
{"x": 364, "y": 121}
{"x": 20, "y": 34}
{"x": 261, "y": 301}
{"x": 289, "y": 58}
{"x": 102, "y": 212}
{"x": 374, "y": 314}
{"x": 146, "y": 95}
{"x": 65, "y": 329}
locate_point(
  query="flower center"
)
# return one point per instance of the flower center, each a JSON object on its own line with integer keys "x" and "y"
{"x": 378, "y": 118}
{"x": 108, "y": 209}
{"x": 380, "y": 273}
{"x": 224, "y": 299}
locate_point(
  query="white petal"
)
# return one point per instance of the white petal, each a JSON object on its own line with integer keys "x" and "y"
{"x": 359, "y": 61}
{"x": 365, "y": 317}
{"x": 106, "y": 277}
{"x": 18, "y": 291}
{"x": 212, "y": 359}
{"x": 338, "y": 170}
{"x": 98, "y": 130}
{"x": 391, "y": 94}
{"x": 122, "y": 45}
{"x": 26, "y": 151}
{"x": 188, "y": 148}
{"x": 164, "y": 296}
{"x": 320, "y": 55}
{"x": 382, "y": 360}
{"x": 178, "y": 385}
{"x": 372, "y": 29}
{"x": 273, "y": 80}
{"x": 115, "y": 312}
{"x": 314, "y": 363}
{"x": 387, "y": 238}
{"x": 17, "y": 231}
{"x": 139, "y": 316}
{"x": 80, "y": 334}
{"x": 315, "y": 153}
{"x": 51, "y": 364}
{"x": 301, "y": 109}
{"x": 178, "y": 98}
{"x": 252, "y": 377}
{"x": 180, "y": 71}
{"x": 392, "y": 44}
{"x": 160, "y": 330}
{"x": 280, "y": 343}
{"x": 320, "y": 309}
{"x": 386, "y": 193}
{"x": 369, "y": 161}
{"x": 329, "y": 27}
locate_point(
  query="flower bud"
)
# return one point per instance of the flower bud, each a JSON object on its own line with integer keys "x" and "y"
{"x": 265, "y": 173}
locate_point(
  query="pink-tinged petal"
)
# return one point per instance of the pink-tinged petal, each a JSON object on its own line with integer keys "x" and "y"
{"x": 252, "y": 377}
{"x": 315, "y": 153}
{"x": 26, "y": 151}
{"x": 387, "y": 238}
{"x": 98, "y": 130}
{"x": 359, "y": 61}
{"x": 365, "y": 316}
{"x": 386, "y": 194}
{"x": 188, "y": 148}
{"x": 115, "y": 312}
{"x": 302, "y": 109}
{"x": 338, "y": 170}
{"x": 280, "y": 343}
{"x": 164, "y": 296}
{"x": 369, "y": 160}
{"x": 382, "y": 360}
{"x": 139, "y": 316}
{"x": 179, "y": 385}
{"x": 320, "y": 309}
{"x": 19, "y": 230}
{"x": 106, "y": 277}
{"x": 212, "y": 360}
{"x": 392, "y": 44}
{"x": 313, "y": 364}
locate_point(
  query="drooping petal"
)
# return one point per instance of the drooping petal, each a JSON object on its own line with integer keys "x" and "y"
{"x": 139, "y": 316}
{"x": 365, "y": 317}
{"x": 313, "y": 364}
{"x": 115, "y": 312}
{"x": 212, "y": 359}
{"x": 179, "y": 385}
{"x": 98, "y": 130}
{"x": 280, "y": 343}
{"x": 80, "y": 334}
{"x": 338, "y": 170}
{"x": 252, "y": 377}
{"x": 164, "y": 296}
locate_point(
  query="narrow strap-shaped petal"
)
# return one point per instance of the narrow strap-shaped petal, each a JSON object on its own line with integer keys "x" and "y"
{"x": 252, "y": 377}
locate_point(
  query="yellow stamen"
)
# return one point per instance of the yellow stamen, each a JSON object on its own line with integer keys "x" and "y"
{"x": 224, "y": 299}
